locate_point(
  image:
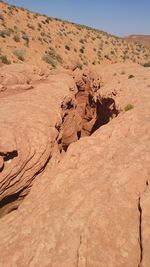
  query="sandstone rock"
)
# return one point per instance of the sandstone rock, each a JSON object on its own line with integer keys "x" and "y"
{"x": 28, "y": 132}
{"x": 93, "y": 208}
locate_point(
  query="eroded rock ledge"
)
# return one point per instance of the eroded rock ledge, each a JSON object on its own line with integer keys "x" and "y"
{"x": 37, "y": 126}
{"x": 84, "y": 113}
{"x": 92, "y": 209}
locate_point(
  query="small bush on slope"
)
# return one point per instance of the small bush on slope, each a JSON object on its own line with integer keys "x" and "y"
{"x": 5, "y": 60}
{"x": 128, "y": 107}
{"x": 52, "y": 58}
{"x": 20, "y": 54}
{"x": 146, "y": 65}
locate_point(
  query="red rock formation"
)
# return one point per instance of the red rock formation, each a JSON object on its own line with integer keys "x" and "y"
{"x": 93, "y": 208}
{"x": 28, "y": 134}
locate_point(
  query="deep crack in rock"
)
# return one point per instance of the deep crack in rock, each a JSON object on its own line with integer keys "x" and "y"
{"x": 140, "y": 232}
{"x": 78, "y": 251}
{"x": 82, "y": 115}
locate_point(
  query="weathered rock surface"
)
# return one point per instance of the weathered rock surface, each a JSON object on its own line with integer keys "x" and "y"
{"x": 28, "y": 133}
{"x": 35, "y": 125}
{"x": 93, "y": 208}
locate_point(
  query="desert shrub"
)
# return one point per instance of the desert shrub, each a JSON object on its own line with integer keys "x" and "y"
{"x": 49, "y": 60}
{"x": 52, "y": 58}
{"x": 30, "y": 26}
{"x": 1, "y": 17}
{"x": 85, "y": 63}
{"x": 35, "y": 16}
{"x": 39, "y": 25}
{"x": 79, "y": 66}
{"x": 47, "y": 20}
{"x": 5, "y": 60}
{"x": 98, "y": 37}
{"x": 22, "y": 8}
{"x": 11, "y": 30}
{"x": 10, "y": 12}
{"x": 112, "y": 52}
{"x": 67, "y": 47}
{"x": 82, "y": 50}
{"x": 45, "y": 40}
{"x": 49, "y": 34}
{"x": 56, "y": 56}
{"x": 60, "y": 34}
{"x": 28, "y": 15}
{"x": 101, "y": 45}
{"x": 40, "y": 39}
{"x": 26, "y": 38}
{"x": 42, "y": 33}
{"x": 80, "y": 55}
{"x": 128, "y": 107}
{"x": 19, "y": 54}
{"x": 16, "y": 38}
{"x": 107, "y": 57}
{"x": 5, "y": 33}
{"x": 146, "y": 65}
{"x": 94, "y": 62}
{"x": 15, "y": 28}
{"x": 8, "y": 32}
{"x": 131, "y": 76}
{"x": 2, "y": 34}
{"x": 81, "y": 41}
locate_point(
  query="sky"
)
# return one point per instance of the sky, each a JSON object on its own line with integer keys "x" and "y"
{"x": 118, "y": 17}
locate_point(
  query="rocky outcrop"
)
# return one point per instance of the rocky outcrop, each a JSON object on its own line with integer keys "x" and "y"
{"x": 93, "y": 208}
{"x": 28, "y": 133}
{"x": 41, "y": 116}
{"x": 87, "y": 111}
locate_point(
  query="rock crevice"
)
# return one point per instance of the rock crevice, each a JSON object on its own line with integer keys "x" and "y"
{"x": 94, "y": 190}
{"x": 82, "y": 111}
{"x": 140, "y": 232}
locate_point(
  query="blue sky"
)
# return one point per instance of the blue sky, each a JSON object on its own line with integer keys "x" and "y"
{"x": 118, "y": 17}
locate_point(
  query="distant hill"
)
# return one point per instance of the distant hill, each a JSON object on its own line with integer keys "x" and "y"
{"x": 34, "y": 38}
{"x": 139, "y": 38}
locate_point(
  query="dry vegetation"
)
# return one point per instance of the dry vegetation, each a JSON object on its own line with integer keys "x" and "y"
{"x": 25, "y": 36}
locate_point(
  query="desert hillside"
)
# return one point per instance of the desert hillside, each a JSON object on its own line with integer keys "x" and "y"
{"x": 25, "y": 35}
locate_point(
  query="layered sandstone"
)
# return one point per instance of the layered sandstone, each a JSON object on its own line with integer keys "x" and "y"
{"x": 92, "y": 209}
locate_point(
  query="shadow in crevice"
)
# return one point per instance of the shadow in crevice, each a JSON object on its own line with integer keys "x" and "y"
{"x": 12, "y": 202}
{"x": 8, "y": 199}
{"x": 105, "y": 110}
{"x": 5, "y": 208}
{"x": 9, "y": 155}
{"x": 87, "y": 115}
